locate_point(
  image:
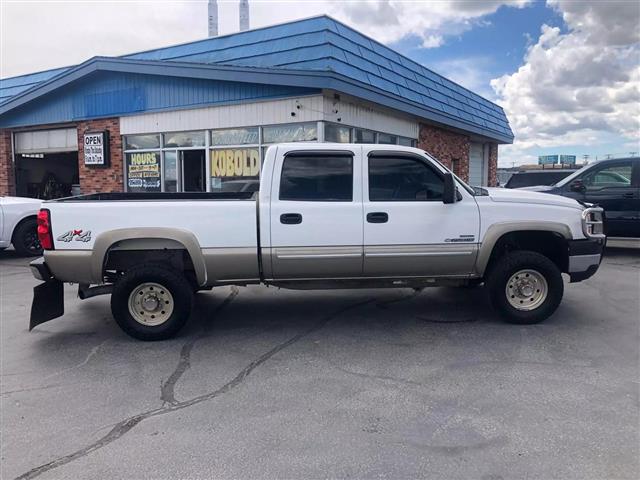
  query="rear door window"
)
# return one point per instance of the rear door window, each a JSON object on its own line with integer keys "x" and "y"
{"x": 317, "y": 178}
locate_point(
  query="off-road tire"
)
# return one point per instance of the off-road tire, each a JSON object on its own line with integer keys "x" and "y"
{"x": 175, "y": 284}
{"x": 510, "y": 264}
{"x": 25, "y": 239}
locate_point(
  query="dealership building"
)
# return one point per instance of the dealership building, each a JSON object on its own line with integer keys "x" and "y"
{"x": 199, "y": 116}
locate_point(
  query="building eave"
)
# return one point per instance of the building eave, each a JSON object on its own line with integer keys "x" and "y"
{"x": 320, "y": 79}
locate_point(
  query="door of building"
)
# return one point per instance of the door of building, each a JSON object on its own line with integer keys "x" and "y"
{"x": 193, "y": 170}
{"x": 478, "y": 164}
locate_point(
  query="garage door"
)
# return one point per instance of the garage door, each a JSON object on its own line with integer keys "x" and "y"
{"x": 478, "y": 165}
{"x": 47, "y": 141}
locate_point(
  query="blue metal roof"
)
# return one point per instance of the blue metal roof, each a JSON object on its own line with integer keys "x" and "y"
{"x": 343, "y": 56}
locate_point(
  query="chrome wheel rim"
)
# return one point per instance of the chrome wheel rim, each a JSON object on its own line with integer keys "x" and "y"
{"x": 526, "y": 290}
{"x": 150, "y": 304}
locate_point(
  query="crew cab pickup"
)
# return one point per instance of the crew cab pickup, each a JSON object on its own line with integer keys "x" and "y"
{"x": 325, "y": 216}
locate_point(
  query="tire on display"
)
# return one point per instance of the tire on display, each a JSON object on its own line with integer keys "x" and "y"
{"x": 151, "y": 302}
{"x": 25, "y": 239}
{"x": 525, "y": 287}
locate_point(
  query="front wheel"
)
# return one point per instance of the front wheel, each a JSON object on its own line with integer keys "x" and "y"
{"x": 151, "y": 302}
{"x": 525, "y": 287}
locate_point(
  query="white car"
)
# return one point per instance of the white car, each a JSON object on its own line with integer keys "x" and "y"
{"x": 18, "y": 225}
{"x": 326, "y": 216}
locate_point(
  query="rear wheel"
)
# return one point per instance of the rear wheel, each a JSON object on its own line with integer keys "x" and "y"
{"x": 25, "y": 239}
{"x": 151, "y": 302}
{"x": 525, "y": 287}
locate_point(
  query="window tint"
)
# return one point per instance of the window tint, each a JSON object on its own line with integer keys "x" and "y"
{"x": 317, "y": 178}
{"x": 402, "y": 179}
{"x": 618, "y": 175}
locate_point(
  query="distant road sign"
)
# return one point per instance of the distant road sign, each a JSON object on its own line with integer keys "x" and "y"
{"x": 568, "y": 159}
{"x": 548, "y": 159}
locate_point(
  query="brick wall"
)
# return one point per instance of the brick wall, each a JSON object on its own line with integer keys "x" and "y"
{"x": 446, "y": 146}
{"x": 493, "y": 164}
{"x": 7, "y": 181}
{"x": 97, "y": 179}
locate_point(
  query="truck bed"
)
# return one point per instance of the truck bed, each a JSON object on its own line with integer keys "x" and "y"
{"x": 164, "y": 196}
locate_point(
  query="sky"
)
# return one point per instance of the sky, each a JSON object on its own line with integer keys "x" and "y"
{"x": 566, "y": 72}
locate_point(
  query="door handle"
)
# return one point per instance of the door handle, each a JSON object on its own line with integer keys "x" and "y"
{"x": 377, "y": 217}
{"x": 291, "y": 218}
{"x": 628, "y": 195}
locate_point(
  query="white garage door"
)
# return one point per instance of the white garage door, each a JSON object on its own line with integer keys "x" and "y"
{"x": 478, "y": 165}
{"x": 47, "y": 141}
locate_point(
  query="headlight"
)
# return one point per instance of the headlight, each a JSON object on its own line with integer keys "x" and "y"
{"x": 592, "y": 225}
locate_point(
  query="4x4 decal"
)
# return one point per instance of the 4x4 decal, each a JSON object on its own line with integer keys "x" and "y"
{"x": 79, "y": 235}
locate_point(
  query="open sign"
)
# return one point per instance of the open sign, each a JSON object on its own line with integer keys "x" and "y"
{"x": 96, "y": 149}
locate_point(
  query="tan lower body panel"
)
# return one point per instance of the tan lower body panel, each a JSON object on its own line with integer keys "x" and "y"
{"x": 316, "y": 262}
{"x": 419, "y": 260}
{"x": 71, "y": 265}
{"x": 230, "y": 264}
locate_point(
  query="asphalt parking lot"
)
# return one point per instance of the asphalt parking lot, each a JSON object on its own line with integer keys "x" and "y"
{"x": 268, "y": 383}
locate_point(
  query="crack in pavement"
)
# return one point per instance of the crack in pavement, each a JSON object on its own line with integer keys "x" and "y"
{"x": 124, "y": 426}
{"x": 167, "y": 389}
{"x": 92, "y": 353}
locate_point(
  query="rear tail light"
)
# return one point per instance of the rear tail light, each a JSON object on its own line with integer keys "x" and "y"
{"x": 44, "y": 229}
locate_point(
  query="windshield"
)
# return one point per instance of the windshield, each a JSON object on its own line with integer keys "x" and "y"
{"x": 530, "y": 179}
{"x": 570, "y": 178}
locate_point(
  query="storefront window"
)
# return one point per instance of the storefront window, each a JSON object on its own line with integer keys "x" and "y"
{"x": 184, "y": 139}
{"x": 301, "y": 132}
{"x": 387, "y": 139}
{"x": 235, "y": 169}
{"x": 337, "y": 133}
{"x": 143, "y": 171}
{"x": 407, "y": 142}
{"x": 235, "y": 136}
{"x": 142, "y": 142}
{"x": 170, "y": 171}
{"x": 364, "y": 136}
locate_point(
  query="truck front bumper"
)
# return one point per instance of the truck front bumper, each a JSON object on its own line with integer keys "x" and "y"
{"x": 48, "y": 297}
{"x": 585, "y": 257}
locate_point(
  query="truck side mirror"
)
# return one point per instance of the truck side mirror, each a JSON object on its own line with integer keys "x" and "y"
{"x": 449, "y": 194}
{"x": 577, "y": 186}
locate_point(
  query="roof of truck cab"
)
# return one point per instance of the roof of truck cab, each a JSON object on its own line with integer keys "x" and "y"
{"x": 317, "y": 52}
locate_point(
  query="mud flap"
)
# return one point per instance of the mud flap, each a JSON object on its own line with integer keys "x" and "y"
{"x": 48, "y": 302}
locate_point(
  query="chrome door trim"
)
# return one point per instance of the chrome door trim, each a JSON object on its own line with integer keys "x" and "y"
{"x": 418, "y": 254}
{"x": 319, "y": 255}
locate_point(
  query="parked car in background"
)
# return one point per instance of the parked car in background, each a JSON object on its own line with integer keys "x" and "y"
{"x": 530, "y": 178}
{"x": 18, "y": 225}
{"x": 612, "y": 184}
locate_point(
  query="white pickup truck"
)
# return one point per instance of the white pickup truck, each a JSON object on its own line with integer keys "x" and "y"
{"x": 326, "y": 216}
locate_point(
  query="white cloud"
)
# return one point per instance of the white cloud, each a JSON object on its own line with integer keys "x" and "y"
{"x": 580, "y": 87}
